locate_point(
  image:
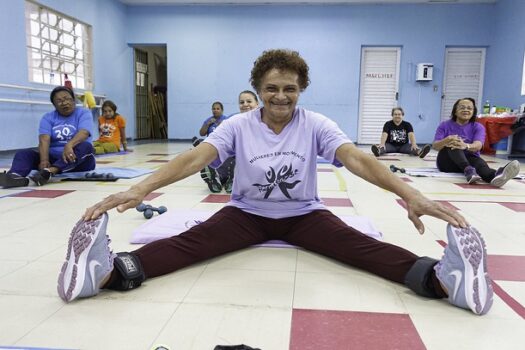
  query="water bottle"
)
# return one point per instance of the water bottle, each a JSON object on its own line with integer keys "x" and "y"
{"x": 67, "y": 82}
{"x": 486, "y": 107}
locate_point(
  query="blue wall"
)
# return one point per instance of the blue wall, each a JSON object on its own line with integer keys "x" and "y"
{"x": 111, "y": 64}
{"x": 211, "y": 51}
{"x": 503, "y": 79}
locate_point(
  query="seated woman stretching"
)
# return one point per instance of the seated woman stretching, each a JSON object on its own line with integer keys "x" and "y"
{"x": 396, "y": 136}
{"x": 112, "y": 130}
{"x": 459, "y": 141}
{"x": 247, "y": 101}
{"x": 275, "y": 197}
{"x": 64, "y": 144}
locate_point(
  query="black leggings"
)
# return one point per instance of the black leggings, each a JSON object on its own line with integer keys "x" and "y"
{"x": 456, "y": 160}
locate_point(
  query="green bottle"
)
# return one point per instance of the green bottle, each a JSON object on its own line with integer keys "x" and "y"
{"x": 486, "y": 107}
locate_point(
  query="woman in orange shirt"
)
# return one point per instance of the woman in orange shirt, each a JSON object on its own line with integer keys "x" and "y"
{"x": 112, "y": 130}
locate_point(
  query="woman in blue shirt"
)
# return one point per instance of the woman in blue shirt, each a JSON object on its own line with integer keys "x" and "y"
{"x": 64, "y": 144}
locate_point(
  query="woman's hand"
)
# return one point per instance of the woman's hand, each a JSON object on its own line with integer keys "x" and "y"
{"x": 122, "y": 201}
{"x": 44, "y": 164}
{"x": 68, "y": 155}
{"x": 454, "y": 142}
{"x": 419, "y": 205}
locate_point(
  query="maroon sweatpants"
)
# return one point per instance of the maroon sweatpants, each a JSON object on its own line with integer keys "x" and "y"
{"x": 320, "y": 231}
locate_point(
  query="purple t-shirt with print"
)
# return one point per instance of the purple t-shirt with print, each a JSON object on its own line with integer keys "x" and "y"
{"x": 469, "y": 132}
{"x": 276, "y": 175}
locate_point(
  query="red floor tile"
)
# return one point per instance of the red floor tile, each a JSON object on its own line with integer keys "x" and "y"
{"x": 507, "y": 267}
{"x": 43, "y": 193}
{"x": 509, "y": 300}
{"x": 216, "y": 198}
{"x": 337, "y": 202}
{"x": 152, "y": 196}
{"x": 477, "y": 186}
{"x": 518, "y": 207}
{"x": 343, "y": 330}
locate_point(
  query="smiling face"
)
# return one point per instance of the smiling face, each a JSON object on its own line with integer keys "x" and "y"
{"x": 464, "y": 111}
{"x": 247, "y": 102}
{"x": 64, "y": 103}
{"x": 279, "y": 92}
{"x": 397, "y": 116}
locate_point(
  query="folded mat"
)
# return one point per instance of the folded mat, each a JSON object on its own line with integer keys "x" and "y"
{"x": 175, "y": 222}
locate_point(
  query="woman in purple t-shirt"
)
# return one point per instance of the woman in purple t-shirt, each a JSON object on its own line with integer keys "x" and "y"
{"x": 275, "y": 197}
{"x": 459, "y": 141}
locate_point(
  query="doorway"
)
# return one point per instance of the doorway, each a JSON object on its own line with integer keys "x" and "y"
{"x": 378, "y": 92}
{"x": 463, "y": 77}
{"x": 151, "y": 108}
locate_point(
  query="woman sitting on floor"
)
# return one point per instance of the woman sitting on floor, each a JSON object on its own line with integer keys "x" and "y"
{"x": 459, "y": 141}
{"x": 396, "y": 136}
{"x": 112, "y": 129}
{"x": 64, "y": 144}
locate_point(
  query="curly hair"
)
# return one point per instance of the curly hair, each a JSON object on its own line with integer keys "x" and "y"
{"x": 281, "y": 59}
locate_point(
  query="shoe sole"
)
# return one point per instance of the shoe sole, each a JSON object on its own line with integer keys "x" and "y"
{"x": 424, "y": 152}
{"x": 375, "y": 151}
{"x": 206, "y": 175}
{"x": 474, "y": 179}
{"x": 510, "y": 171}
{"x": 82, "y": 238}
{"x": 477, "y": 284}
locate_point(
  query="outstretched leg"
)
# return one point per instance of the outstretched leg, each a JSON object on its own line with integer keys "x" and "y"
{"x": 465, "y": 257}
{"x": 90, "y": 265}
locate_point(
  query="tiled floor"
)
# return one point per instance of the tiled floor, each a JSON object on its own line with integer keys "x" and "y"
{"x": 270, "y": 298}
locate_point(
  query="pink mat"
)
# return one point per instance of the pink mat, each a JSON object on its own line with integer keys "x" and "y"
{"x": 175, "y": 222}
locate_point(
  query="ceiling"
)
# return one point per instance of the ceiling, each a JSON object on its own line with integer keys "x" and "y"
{"x": 299, "y": 2}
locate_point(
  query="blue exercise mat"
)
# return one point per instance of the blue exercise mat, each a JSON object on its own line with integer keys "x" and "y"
{"x": 118, "y": 173}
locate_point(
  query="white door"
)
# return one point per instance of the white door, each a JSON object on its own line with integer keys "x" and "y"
{"x": 378, "y": 92}
{"x": 463, "y": 77}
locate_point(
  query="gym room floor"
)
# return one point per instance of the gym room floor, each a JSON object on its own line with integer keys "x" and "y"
{"x": 267, "y": 298}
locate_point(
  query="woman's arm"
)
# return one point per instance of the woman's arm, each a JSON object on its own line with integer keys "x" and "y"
{"x": 204, "y": 129}
{"x": 178, "y": 168}
{"x": 123, "y": 138}
{"x": 384, "y": 136}
{"x": 412, "y": 139}
{"x": 448, "y": 141}
{"x": 371, "y": 170}
{"x": 43, "y": 149}
{"x": 68, "y": 154}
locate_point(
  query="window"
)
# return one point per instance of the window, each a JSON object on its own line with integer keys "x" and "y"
{"x": 57, "y": 45}
{"x": 523, "y": 77}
